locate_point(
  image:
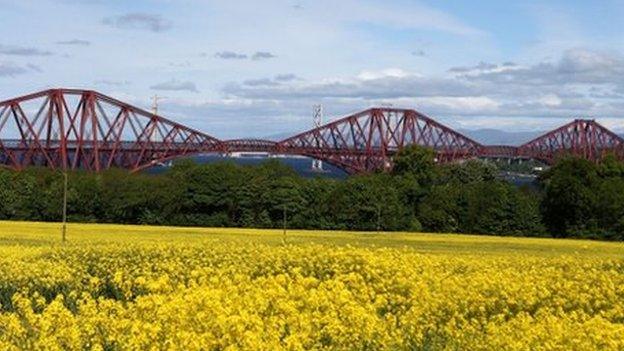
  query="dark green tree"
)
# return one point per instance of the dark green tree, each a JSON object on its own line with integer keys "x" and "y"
{"x": 417, "y": 162}
{"x": 569, "y": 203}
{"x": 440, "y": 210}
{"x": 317, "y": 194}
{"x": 610, "y": 208}
{"x": 467, "y": 172}
{"x": 8, "y": 195}
{"x": 369, "y": 203}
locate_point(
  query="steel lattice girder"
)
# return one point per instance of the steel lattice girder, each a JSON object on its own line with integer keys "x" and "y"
{"x": 70, "y": 129}
{"x": 250, "y": 145}
{"x": 366, "y": 141}
{"x": 581, "y": 137}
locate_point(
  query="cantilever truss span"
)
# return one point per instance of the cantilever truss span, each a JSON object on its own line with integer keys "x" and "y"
{"x": 367, "y": 141}
{"x": 71, "y": 129}
{"x": 584, "y": 138}
{"x": 581, "y": 137}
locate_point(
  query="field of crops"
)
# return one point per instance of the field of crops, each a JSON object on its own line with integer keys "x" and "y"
{"x": 138, "y": 288}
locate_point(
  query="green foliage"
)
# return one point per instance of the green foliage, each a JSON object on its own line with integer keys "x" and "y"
{"x": 570, "y": 197}
{"x": 496, "y": 207}
{"x": 584, "y": 199}
{"x": 368, "y": 203}
{"x": 469, "y": 199}
{"x": 8, "y": 195}
{"x": 440, "y": 209}
{"x": 576, "y": 198}
{"x": 610, "y": 208}
{"x": 611, "y": 167}
{"x": 470, "y": 171}
{"x": 418, "y": 162}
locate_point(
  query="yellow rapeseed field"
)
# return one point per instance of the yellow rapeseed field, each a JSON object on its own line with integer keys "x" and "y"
{"x": 116, "y": 287}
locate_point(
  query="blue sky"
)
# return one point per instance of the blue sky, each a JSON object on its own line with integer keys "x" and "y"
{"x": 255, "y": 68}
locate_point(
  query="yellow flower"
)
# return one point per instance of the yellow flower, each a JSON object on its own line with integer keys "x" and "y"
{"x": 150, "y": 288}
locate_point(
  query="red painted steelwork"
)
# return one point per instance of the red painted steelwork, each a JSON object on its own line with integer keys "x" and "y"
{"x": 250, "y": 145}
{"x": 367, "y": 141}
{"x": 581, "y": 137}
{"x": 70, "y": 129}
{"x": 499, "y": 151}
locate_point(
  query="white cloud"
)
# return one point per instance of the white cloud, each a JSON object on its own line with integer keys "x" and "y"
{"x": 556, "y": 89}
{"x": 109, "y": 82}
{"x": 390, "y": 72}
{"x": 262, "y": 55}
{"x": 551, "y": 100}
{"x": 138, "y": 20}
{"x": 78, "y": 42}
{"x": 356, "y": 55}
{"x": 391, "y": 83}
{"x": 286, "y": 77}
{"x": 230, "y": 55}
{"x": 413, "y": 15}
{"x": 463, "y": 105}
{"x": 9, "y": 69}
{"x": 175, "y": 85}
{"x": 22, "y": 51}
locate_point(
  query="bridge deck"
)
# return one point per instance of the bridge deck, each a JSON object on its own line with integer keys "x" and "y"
{"x": 98, "y": 132}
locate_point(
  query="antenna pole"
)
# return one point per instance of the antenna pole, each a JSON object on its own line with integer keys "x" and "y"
{"x": 64, "y": 229}
{"x": 317, "y": 120}
{"x": 284, "y": 224}
{"x": 155, "y": 99}
{"x": 378, "y": 218}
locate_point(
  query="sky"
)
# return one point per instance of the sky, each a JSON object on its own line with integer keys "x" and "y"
{"x": 256, "y": 68}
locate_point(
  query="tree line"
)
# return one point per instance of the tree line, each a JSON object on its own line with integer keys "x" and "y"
{"x": 574, "y": 198}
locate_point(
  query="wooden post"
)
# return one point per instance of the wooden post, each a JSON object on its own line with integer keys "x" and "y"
{"x": 284, "y": 224}
{"x": 64, "y": 230}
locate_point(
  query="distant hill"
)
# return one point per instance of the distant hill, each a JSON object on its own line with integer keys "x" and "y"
{"x": 279, "y": 136}
{"x": 484, "y": 136}
{"x": 500, "y": 137}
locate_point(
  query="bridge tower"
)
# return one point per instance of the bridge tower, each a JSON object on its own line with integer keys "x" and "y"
{"x": 317, "y": 121}
{"x": 155, "y": 100}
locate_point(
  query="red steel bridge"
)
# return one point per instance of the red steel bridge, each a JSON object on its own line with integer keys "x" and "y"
{"x": 71, "y": 129}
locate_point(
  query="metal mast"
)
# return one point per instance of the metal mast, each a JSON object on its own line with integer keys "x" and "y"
{"x": 317, "y": 120}
{"x": 155, "y": 99}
